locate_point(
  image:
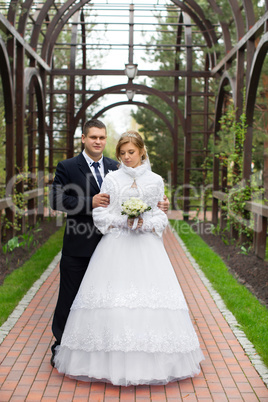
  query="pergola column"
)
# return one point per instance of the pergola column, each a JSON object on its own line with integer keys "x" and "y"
{"x": 188, "y": 117}
{"x": 20, "y": 123}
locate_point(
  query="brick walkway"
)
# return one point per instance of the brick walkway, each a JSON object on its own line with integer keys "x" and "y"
{"x": 227, "y": 373}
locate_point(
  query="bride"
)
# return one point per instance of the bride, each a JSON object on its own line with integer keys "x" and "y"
{"x": 129, "y": 323}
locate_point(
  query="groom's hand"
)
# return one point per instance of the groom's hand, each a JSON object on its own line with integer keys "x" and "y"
{"x": 164, "y": 205}
{"x": 100, "y": 200}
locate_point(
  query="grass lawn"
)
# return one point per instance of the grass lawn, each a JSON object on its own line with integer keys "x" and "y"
{"x": 248, "y": 311}
{"x": 17, "y": 284}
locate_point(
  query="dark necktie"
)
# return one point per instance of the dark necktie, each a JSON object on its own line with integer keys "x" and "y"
{"x": 98, "y": 175}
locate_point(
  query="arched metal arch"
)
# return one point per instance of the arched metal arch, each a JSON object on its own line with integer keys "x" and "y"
{"x": 38, "y": 23}
{"x": 225, "y": 80}
{"x": 52, "y": 33}
{"x": 140, "y": 104}
{"x": 32, "y": 76}
{"x": 60, "y": 20}
{"x": 196, "y": 13}
{"x": 236, "y": 11}
{"x": 224, "y": 25}
{"x": 8, "y": 92}
{"x": 8, "y": 89}
{"x": 136, "y": 88}
{"x": 255, "y": 73}
{"x": 251, "y": 93}
{"x": 250, "y": 17}
{"x": 248, "y": 7}
{"x": 32, "y": 73}
{"x": 24, "y": 16}
{"x": 12, "y": 11}
{"x": 70, "y": 7}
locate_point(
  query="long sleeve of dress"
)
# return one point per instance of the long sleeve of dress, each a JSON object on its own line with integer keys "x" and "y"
{"x": 109, "y": 217}
{"x": 151, "y": 190}
{"x": 155, "y": 220}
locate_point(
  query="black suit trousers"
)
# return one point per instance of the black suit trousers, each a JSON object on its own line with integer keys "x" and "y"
{"x": 72, "y": 271}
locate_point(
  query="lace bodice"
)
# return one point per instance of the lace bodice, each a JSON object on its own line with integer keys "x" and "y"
{"x": 131, "y": 182}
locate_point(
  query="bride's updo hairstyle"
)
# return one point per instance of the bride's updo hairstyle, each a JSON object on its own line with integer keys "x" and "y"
{"x": 135, "y": 138}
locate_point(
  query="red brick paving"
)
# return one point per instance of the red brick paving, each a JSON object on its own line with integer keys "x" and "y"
{"x": 227, "y": 373}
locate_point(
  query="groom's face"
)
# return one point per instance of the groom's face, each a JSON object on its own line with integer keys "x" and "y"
{"x": 94, "y": 141}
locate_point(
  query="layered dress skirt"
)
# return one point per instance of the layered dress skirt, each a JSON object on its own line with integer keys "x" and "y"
{"x": 129, "y": 323}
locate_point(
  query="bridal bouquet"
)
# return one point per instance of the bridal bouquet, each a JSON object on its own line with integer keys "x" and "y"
{"x": 133, "y": 207}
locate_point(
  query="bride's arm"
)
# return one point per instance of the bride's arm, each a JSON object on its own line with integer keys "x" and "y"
{"x": 156, "y": 220}
{"x": 105, "y": 218}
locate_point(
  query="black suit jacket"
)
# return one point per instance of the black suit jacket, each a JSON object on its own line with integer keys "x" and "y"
{"x": 72, "y": 191}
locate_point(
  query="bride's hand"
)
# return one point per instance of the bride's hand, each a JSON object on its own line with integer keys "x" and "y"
{"x": 130, "y": 222}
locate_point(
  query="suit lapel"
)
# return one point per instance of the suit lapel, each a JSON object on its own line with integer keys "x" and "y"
{"x": 85, "y": 169}
{"x": 107, "y": 164}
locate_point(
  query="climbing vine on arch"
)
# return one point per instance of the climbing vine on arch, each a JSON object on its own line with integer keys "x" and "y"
{"x": 229, "y": 150}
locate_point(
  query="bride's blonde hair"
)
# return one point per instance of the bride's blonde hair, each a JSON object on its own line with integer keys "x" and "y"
{"x": 136, "y": 139}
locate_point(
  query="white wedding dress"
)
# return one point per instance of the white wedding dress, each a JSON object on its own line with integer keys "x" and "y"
{"x": 129, "y": 323}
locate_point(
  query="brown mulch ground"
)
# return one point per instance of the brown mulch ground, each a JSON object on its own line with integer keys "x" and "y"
{"x": 249, "y": 270}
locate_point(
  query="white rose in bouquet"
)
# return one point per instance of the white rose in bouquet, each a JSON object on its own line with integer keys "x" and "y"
{"x": 133, "y": 207}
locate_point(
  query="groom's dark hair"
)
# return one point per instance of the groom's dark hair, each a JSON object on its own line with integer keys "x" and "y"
{"x": 93, "y": 123}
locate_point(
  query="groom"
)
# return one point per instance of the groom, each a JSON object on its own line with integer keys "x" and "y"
{"x": 75, "y": 190}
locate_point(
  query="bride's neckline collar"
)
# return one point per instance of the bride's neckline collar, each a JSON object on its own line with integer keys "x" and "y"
{"x": 134, "y": 172}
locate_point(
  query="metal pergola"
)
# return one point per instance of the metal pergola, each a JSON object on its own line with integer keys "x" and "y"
{"x": 49, "y": 53}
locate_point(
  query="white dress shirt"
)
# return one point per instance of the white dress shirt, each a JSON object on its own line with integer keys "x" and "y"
{"x": 90, "y": 161}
